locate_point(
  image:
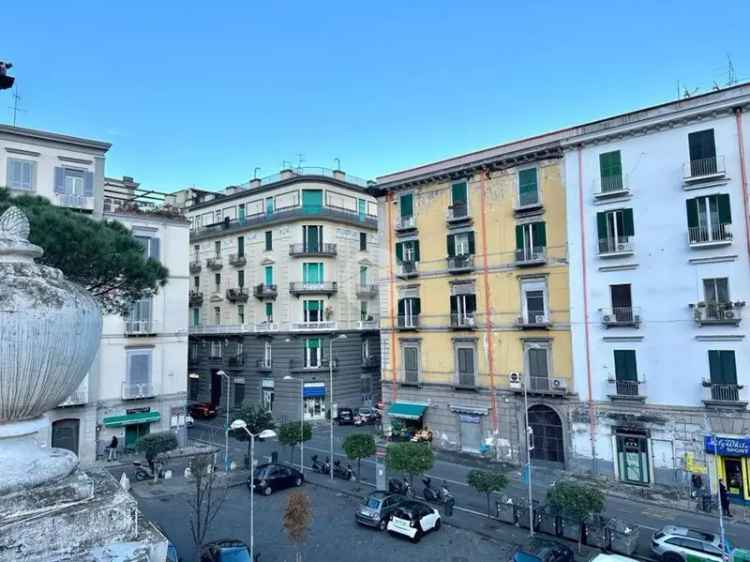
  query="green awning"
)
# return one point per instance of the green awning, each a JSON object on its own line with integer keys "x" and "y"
{"x": 406, "y": 411}
{"x": 131, "y": 419}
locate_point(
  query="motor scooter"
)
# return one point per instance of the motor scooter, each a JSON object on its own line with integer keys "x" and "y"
{"x": 341, "y": 472}
{"x": 144, "y": 472}
{"x": 437, "y": 495}
{"x": 317, "y": 466}
{"x": 399, "y": 486}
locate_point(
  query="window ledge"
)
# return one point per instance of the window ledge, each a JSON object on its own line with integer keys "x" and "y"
{"x": 465, "y": 388}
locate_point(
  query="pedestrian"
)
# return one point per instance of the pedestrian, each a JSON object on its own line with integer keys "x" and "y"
{"x": 724, "y": 498}
{"x": 112, "y": 453}
{"x": 449, "y": 503}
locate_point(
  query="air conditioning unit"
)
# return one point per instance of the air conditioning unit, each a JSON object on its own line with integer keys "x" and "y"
{"x": 559, "y": 384}
{"x": 514, "y": 380}
{"x": 637, "y": 318}
{"x": 622, "y": 247}
{"x": 469, "y": 321}
{"x": 697, "y": 314}
{"x": 729, "y": 314}
{"x": 606, "y": 318}
{"x": 540, "y": 319}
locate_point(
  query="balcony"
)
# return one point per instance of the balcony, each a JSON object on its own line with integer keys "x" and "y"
{"x": 264, "y": 365}
{"x": 463, "y": 321}
{"x": 140, "y": 328}
{"x": 703, "y": 170}
{"x": 371, "y": 361}
{"x": 323, "y": 326}
{"x": 78, "y": 398}
{"x": 137, "y": 391}
{"x": 722, "y": 313}
{"x": 465, "y": 381}
{"x": 625, "y": 390}
{"x": 526, "y": 257}
{"x": 724, "y": 396}
{"x": 534, "y": 320}
{"x": 610, "y": 248}
{"x": 263, "y": 291}
{"x": 404, "y": 224}
{"x": 611, "y": 187}
{"x": 408, "y": 322}
{"x": 196, "y": 298}
{"x": 407, "y": 270}
{"x": 458, "y": 215}
{"x": 266, "y": 326}
{"x": 542, "y": 386}
{"x": 370, "y": 324}
{"x": 215, "y": 263}
{"x": 408, "y": 377}
{"x": 621, "y": 316}
{"x": 367, "y": 291}
{"x": 238, "y": 260}
{"x": 238, "y": 294}
{"x": 195, "y": 266}
{"x": 300, "y": 288}
{"x": 298, "y": 365}
{"x": 208, "y": 329}
{"x": 461, "y": 264}
{"x": 73, "y": 201}
{"x": 707, "y": 237}
{"x": 236, "y": 360}
{"x": 312, "y": 250}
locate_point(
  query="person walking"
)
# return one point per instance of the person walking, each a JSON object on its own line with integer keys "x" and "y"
{"x": 112, "y": 453}
{"x": 724, "y": 498}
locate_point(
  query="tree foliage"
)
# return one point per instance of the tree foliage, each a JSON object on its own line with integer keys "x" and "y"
{"x": 358, "y": 446}
{"x": 297, "y": 518}
{"x": 290, "y": 434}
{"x": 153, "y": 444}
{"x": 257, "y": 419}
{"x": 486, "y": 482}
{"x": 206, "y": 500}
{"x": 574, "y": 501}
{"x": 410, "y": 458}
{"x": 101, "y": 256}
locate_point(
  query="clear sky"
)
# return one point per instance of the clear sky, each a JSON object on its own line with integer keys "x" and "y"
{"x": 200, "y": 93}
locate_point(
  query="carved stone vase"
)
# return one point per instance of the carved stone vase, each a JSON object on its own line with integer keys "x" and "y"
{"x": 49, "y": 335}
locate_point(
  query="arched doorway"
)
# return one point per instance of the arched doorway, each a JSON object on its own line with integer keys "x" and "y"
{"x": 548, "y": 434}
{"x": 65, "y": 434}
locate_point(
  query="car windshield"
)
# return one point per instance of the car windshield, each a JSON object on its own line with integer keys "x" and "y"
{"x": 373, "y": 503}
{"x": 521, "y": 556}
{"x": 235, "y": 554}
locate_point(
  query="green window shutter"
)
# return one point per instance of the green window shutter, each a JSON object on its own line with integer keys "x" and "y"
{"x": 519, "y": 237}
{"x": 312, "y": 200}
{"x": 692, "y": 212}
{"x": 601, "y": 225}
{"x": 454, "y": 304}
{"x": 269, "y": 275}
{"x": 321, "y": 273}
{"x": 269, "y": 310}
{"x": 725, "y": 212}
{"x": 407, "y": 205}
{"x": 527, "y": 187}
{"x": 702, "y": 145}
{"x": 539, "y": 233}
{"x": 627, "y": 222}
{"x": 451, "y": 239}
{"x": 312, "y": 343}
{"x": 399, "y": 252}
{"x": 416, "y": 250}
{"x": 471, "y": 303}
{"x": 417, "y": 306}
{"x": 401, "y": 307}
{"x": 625, "y": 367}
{"x": 459, "y": 192}
{"x": 714, "y": 365}
{"x": 728, "y": 367}
{"x": 472, "y": 248}
{"x": 610, "y": 169}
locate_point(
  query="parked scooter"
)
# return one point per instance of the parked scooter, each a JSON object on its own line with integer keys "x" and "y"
{"x": 144, "y": 472}
{"x": 399, "y": 486}
{"x": 341, "y": 472}
{"x": 437, "y": 495}
{"x": 322, "y": 467}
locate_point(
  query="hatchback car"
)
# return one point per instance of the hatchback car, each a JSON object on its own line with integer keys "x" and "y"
{"x": 376, "y": 509}
{"x": 226, "y": 550}
{"x": 271, "y": 477}
{"x": 202, "y": 410}
{"x": 544, "y": 551}
{"x": 677, "y": 544}
{"x": 414, "y": 519}
{"x": 366, "y": 416}
{"x": 345, "y": 416}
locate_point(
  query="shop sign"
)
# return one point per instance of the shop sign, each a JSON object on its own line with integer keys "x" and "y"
{"x": 727, "y": 446}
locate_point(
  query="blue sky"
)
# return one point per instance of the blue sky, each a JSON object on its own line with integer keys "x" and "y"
{"x": 200, "y": 93}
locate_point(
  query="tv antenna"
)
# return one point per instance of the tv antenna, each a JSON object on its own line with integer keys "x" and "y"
{"x": 300, "y": 159}
{"x": 15, "y": 107}
{"x": 731, "y": 73}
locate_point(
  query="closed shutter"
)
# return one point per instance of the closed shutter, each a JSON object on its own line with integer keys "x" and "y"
{"x": 401, "y": 307}
{"x": 519, "y": 237}
{"x": 454, "y": 304}
{"x": 312, "y": 343}
{"x": 472, "y": 248}
{"x": 451, "y": 241}
{"x": 471, "y": 303}
{"x": 702, "y": 145}
{"x": 269, "y": 310}
{"x": 417, "y": 306}
{"x": 416, "y": 250}
{"x": 725, "y": 212}
{"x": 269, "y": 275}
{"x": 88, "y": 184}
{"x": 722, "y": 367}
{"x": 625, "y": 367}
{"x": 312, "y": 200}
{"x": 59, "y": 180}
{"x": 538, "y": 364}
{"x": 241, "y": 246}
{"x": 155, "y": 249}
{"x": 527, "y": 186}
{"x": 458, "y": 191}
{"x": 539, "y": 233}
{"x": 601, "y": 225}
{"x": 399, "y": 252}
{"x": 610, "y": 166}
{"x": 627, "y": 222}
{"x": 692, "y": 212}
{"x": 407, "y": 205}
{"x": 139, "y": 368}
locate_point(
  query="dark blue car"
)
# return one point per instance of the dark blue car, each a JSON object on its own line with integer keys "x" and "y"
{"x": 226, "y": 550}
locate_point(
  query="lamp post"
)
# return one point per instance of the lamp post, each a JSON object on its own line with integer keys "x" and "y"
{"x": 265, "y": 434}
{"x": 301, "y": 420}
{"x": 529, "y": 448}
{"x": 226, "y": 422}
{"x": 330, "y": 390}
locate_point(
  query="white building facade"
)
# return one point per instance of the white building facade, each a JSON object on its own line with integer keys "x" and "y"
{"x": 657, "y": 214}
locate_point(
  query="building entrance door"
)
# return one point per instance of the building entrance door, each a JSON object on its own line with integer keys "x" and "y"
{"x": 471, "y": 432}
{"x": 315, "y": 407}
{"x": 133, "y": 433}
{"x": 216, "y": 381}
{"x": 733, "y": 473}
{"x": 632, "y": 458}
{"x": 65, "y": 434}
{"x": 548, "y": 434}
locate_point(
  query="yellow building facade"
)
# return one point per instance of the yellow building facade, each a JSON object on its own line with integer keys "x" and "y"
{"x": 474, "y": 302}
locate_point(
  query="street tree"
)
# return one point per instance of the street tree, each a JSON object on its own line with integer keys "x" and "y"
{"x": 409, "y": 458}
{"x": 297, "y": 519}
{"x": 358, "y": 446}
{"x": 154, "y": 444}
{"x": 257, "y": 418}
{"x": 206, "y": 499}
{"x": 575, "y": 502}
{"x": 486, "y": 482}
{"x": 102, "y": 256}
{"x": 291, "y": 434}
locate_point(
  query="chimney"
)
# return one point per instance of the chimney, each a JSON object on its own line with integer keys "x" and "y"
{"x": 255, "y": 182}
{"x": 286, "y": 173}
{"x": 339, "y": 175}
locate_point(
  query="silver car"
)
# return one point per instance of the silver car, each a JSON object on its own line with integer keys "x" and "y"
{"x": 377, "y": 508}
{"x": 680, "y": 544}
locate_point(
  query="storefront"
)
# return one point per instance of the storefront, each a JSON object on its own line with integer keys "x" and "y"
{"x": 469, "y": 420}
{"x": 314, "y": 394}
{"x": 632, "y": 456}
{"x": 137, "y": 423}
{"x": 732, "y": 458}
{"x": 266, "y": 394}
{"x": 406, "y": 420}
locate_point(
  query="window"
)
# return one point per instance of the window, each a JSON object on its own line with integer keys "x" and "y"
{"x": 21, "y": 174}
{"x": 615, "y": 229}
{"x": 74, "y": 182}
{"x": 531, "y": 241}
{"x": 241, "y": 213}
{"x": 216, "y": 349}
{"x": 196, "y": 282}
{"x": 709, "y": 218}
{"x": 240, "y": 279}
{"x": 463, "y": 308}
{"x": 312, "y": 273}
{"x": 723, "y": 370}
{"x": 194, "y": 351}
{"x": 312, "y": 200}
{"x": 702, "y": 153}
{"x": 268, "y": 275}
{"x": 537, "y": 365}
{"x": 150, "y": 245}
{"x": 269, "y": 312}
{"x": 528, "y": 189}
{"x": 239, "y": 392}
{"x": 406, "y": 205}
{"x": 363, "y": 275}
{"x": 194, "y": 388}
{"x": 267, "y": 355}
{"x": 716, "y": 298}
{"x": 217, "y": 216}
{"x": 465, "y": 368}
{"x": 139, "y": 315}
{"x": 622, "y": 303}
{"x": 217, "y": 282}
{"x": 610, "y": 170}
{"x": 459, "y": 200}
{"x": 534, "y": 301}
{"x": 196, "y": 252}
{"x": 365, "y": 382}
{"x": 407, "y": 251}
{"x": 217, "y": 315}
{"x": 363, "y": 311}
{"x": 408, "y": 312}
{"x": 365, "y": 350}
{"x": 217, "y": 248}
{"x": 313, "y": 310}
{"x": 411, "y": 364}
{"x": 240, "y": 246}
{"x": 269, "y": 240}
{"x": 312, "y": 353}
{"x": 312, "y": 236}
{"x": 626, "y": 372}
{"x": 139, "y": 362}
{"x": 196, "y": 317}
{"x": 241, "y": 313}
{"x": 461, "y": 244}
{"x": 269, "y": 205}
{"x": 362, "y": 241}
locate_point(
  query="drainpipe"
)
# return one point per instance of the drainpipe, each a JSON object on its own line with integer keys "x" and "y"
{"x": 392, "y": 291}
{"x": 743, "y": 173}
{"x": 584, "y": 271}
{"x": 487, "y": 314}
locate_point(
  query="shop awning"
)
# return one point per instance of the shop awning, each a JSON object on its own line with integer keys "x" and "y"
{"x": 406, "y": 411}
{"x": 311, "y": 390}
{"x": 131, "y": 419}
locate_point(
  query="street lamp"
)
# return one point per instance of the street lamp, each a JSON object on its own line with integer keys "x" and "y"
{"x": 330, "y": 391}
{"x": 226, "y": 422}
{"x": 265, "y": 434}
{"x": 301, "y": 420}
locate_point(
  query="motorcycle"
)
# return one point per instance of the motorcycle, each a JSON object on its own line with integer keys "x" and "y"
{"x": 440, "y": 495}
{"x": 341, "y": 472}
{"x": 402, "y": 487}
{"x": 144, "y": 472}
{"x": 322, "y": 467}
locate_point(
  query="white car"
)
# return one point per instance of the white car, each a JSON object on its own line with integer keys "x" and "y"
{"x": 680, "y": 544}
{"x": 414, "y": 519}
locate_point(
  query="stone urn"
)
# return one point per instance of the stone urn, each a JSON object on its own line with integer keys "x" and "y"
{"x": 49, "y": 335}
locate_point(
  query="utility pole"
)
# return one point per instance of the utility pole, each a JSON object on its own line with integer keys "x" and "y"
{"x": 529, "y": 448}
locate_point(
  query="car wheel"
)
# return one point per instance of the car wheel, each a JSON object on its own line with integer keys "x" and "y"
{"x": 298, "y": 482}
{"x": 437, "y": 525}
{"x": 382, "y": 525}
{"x": 417, "y": 536}
{"x": 267, "y": 491}
{"x": 671, "y": 557}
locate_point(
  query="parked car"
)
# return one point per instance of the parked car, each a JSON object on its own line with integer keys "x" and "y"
{"x": 172, "y": 553}
{"x": 544, "y": 551}
{"x": 226, "y": 550}
{"x": 677, "y": 544}
{"x": 366, "y": 416}
{"x": 612, "y": 558}
{"x": 202, "y": 410}
{"x": 413, "y": 519}
{"x": 271, "y": 477}
{"x": 376, "y": 509}
{"x": 345, "y": 416}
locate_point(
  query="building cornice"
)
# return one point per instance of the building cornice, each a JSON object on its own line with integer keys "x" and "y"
{"x": 35, "y": 135}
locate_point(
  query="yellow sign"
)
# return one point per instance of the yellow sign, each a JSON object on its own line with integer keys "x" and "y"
{"x": 692, "y": 466}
